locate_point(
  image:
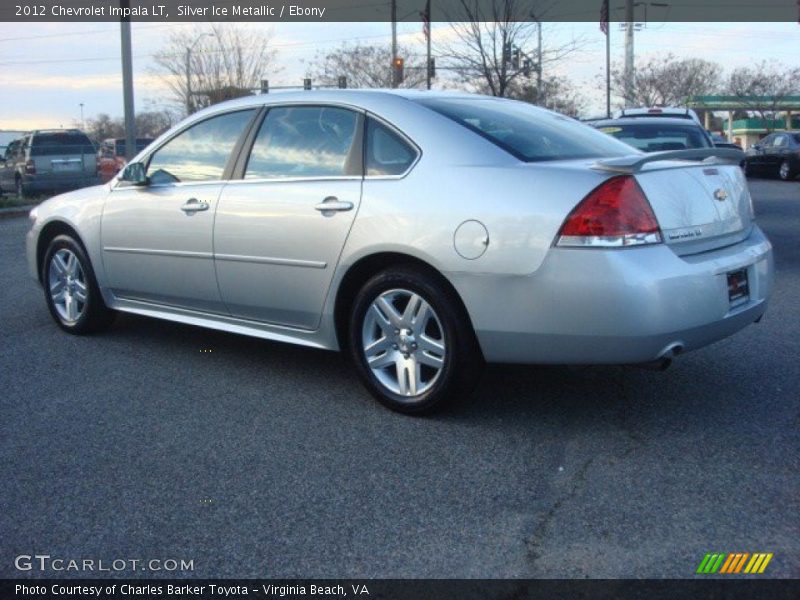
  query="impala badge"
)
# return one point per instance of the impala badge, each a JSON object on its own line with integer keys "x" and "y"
{"x": 720, "y": 194}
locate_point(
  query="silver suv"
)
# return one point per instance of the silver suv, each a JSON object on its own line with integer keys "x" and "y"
{"x": 48, "y": 161}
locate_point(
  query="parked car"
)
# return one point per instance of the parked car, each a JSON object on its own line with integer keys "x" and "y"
{"x": 48, "y": 160}
{"x": 111, "y": 156}
{"x": 778, "y": 154}
{"x": 720, "y": 142}
{"x": 656, "y": 135}
{"x": 673, "y": 112}
{"x": 419, "y": 232}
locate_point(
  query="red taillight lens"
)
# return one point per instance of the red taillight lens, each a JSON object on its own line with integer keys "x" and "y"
{"x": 30, "y": 167}
{"x": 616, "y": 213}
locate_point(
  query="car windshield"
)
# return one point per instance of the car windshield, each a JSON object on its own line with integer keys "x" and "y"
{"x": 656, "y": 137}
{"x": 529, "y": 133}
{"x": 49, "y": 144}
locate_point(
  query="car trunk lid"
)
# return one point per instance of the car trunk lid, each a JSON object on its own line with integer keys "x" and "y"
{"x": 699, "y": 205}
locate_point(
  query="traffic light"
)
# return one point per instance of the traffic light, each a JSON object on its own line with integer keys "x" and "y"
{"x": 506, "y": 53}
{"x": 307, "y": 83}
{"x": 432, "y": 67}
{"x": 265, "y": 86}
{"x": 397, "y": 70}
{"x": 342, "y": 82}
{"x": 516, "y": 58}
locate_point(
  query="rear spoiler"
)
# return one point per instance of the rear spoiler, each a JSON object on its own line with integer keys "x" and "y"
{"x": 635, "y": 162}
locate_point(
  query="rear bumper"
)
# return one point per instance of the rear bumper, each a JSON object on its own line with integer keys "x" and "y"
{"x": 588, "y": 306}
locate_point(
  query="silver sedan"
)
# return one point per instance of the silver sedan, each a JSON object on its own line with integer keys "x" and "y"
{"x": 421, "y": 233}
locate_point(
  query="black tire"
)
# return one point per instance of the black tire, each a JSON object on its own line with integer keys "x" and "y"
{"x": 93, "y": 315}
{"x": 462, "y": 361}
{"x": 785, "y": 171}
{"x": 747, "y": 169}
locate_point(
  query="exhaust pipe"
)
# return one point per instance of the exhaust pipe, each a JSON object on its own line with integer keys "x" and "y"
{"x": 663, "y": 362}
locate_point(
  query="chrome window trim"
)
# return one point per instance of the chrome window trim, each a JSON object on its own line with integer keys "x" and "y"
{"x": 294, "y": 179}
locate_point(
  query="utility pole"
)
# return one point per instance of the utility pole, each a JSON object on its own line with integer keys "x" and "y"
{"x": 83, "y": 123}
{"x": 629, "y": 73}
{"x": 539, "y": 60}
{"x": 127, "y": 82}
{"x": 394, "y": 37}
{"x": 428, "y": 29}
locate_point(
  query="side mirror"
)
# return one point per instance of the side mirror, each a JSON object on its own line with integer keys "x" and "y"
{"x": 134, "y": 174}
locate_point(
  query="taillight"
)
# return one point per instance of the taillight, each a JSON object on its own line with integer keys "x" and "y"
{"x": 30, "y": 167}
{"x": 616, "y": 213}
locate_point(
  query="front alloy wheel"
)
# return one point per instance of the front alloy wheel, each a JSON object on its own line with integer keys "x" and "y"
{"x": 412, "y": 341}
{"x": 70, "y": 288}
{"x": 67, "y": 285}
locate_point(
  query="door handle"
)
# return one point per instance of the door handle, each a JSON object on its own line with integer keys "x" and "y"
{"x": 333, "y": 204}
{"x": 194, "y": 205}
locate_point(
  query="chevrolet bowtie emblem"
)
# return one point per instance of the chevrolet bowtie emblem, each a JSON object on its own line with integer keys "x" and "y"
{"x": 720, "y": 194}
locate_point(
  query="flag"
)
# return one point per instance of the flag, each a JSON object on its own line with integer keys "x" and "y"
{"x": 604, "y": 17}
{"x": 426, "y": 21}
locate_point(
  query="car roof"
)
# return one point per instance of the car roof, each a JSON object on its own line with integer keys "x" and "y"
{"x": 365, "y": 98}
{"x": 647, "y": 122}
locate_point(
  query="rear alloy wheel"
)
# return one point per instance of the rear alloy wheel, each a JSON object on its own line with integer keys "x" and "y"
{"x": 71, "y": 290}
{"x": 412, "y": 347}
{"x": 785, "y": 171}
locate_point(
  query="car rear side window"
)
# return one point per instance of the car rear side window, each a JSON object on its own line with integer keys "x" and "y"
{"x": 529, "y": 133}
{"x": 386, "y": 152}
{"x": 305, "y": 141}
{"x": 201, "y": 152}
{"x": 54, "y": 144}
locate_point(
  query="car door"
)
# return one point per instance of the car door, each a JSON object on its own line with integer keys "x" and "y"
{"x": 281, "y": 227}
{"x": 158, "y": 238}
{"x": 776, "y": 152}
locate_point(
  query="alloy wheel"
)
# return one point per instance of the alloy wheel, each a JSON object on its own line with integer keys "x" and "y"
{"x": 68, "y": 285}
{"x": 784, "y": 170}
{"x": 403, "y": 342}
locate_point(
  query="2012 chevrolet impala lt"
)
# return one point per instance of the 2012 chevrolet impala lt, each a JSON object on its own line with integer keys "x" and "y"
{"x": 422, "y": 233}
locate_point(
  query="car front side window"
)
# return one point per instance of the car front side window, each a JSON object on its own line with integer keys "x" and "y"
{"x": 201, "y": 152}
{"x": 305, "y": 141}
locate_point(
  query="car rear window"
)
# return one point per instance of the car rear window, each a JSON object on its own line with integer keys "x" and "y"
{"x": 525, "y": 131}
{"x": 656, "y": 137}
{"x": 49, "y": 144}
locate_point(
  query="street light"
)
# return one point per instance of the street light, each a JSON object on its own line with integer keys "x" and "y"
{"x": 189, "y": 107}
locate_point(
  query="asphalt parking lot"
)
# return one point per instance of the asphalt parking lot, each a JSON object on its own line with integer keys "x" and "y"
{"x": 255, "y": 459}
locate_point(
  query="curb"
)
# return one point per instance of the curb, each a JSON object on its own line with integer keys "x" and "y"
{"x": 16, "y": 211}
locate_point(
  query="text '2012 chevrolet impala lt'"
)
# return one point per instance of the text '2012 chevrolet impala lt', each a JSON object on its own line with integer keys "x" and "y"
{"x": 422, "y": 233}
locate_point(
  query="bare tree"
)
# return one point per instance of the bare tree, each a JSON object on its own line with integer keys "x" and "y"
{"x": 365, "y": 66}
{"x": 763, "y": 87}
{"x": 229, "y": 63}
{"x": 494, "y": 39}
{"x": 148, "y": 124}
{"x": 557, "y": 93}
{"x": 667, "y": 80}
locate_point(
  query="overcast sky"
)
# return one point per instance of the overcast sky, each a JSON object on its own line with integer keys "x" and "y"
{"x": 47, "y": 70}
